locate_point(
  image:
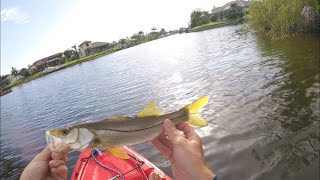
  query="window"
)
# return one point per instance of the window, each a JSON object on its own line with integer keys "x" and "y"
{"x": 87, "y": 44}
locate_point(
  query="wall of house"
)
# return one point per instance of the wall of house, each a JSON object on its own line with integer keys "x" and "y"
{"x": 83, "y": 48}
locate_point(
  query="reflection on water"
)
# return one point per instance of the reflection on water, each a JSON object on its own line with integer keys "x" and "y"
{"x": 263, "y": 113}
{"x": 298, "y": 80}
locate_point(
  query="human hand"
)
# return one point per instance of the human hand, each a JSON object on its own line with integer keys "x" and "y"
{"x": 47, "y": 165}
{"x": 184, "y": 153}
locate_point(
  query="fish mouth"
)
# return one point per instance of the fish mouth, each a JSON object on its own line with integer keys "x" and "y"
{"x": 55, "y": 143}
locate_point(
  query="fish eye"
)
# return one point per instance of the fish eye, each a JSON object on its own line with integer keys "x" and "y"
{"x": 65, "y": 131}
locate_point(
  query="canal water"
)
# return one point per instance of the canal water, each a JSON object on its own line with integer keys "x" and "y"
{"x": 263, "y": 112}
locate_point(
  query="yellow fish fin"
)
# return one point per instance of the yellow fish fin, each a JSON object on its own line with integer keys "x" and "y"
{"x": 119, "y": 118}
{"x": 117, "y": 151}
{"x": 194, "y": 118}
{"x": 150, "y": 109}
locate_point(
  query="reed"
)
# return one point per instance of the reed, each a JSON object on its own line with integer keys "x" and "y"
{"x": 282, "y": 18}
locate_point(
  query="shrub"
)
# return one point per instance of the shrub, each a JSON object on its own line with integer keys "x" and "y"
{"x": 280, "y": 18}
{"x": 235, "y": 15}
{"x": 24, "y": 72}
{"x": 213, "y": 18}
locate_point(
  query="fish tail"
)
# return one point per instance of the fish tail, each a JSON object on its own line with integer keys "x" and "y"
{"x": 193, "y": 116}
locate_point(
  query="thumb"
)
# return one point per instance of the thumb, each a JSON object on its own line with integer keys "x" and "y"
{"x": 44, "y": 155}
{"x": 171, "y": 131}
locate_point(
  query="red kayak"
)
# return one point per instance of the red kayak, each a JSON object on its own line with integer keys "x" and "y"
{"x": 95, "y": 164}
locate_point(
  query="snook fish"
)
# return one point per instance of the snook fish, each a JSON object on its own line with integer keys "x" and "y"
{"x": 112, "y": 133}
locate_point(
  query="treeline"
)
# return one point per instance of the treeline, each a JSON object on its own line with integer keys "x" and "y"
{"x": 141, "y": 37}
{"x": 281, "y": 18}
{"x": 199, "y": 17}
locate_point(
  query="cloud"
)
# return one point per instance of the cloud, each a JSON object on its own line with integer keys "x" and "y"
{"x": 15, "y": 15}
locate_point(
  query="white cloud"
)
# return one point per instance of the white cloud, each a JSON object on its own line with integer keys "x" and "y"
{"x": 15, "y": 15}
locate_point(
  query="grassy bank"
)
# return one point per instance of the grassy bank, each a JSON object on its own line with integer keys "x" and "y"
{"x": 208, "y": 25}
{"x": 281, "y": 18}
{"x": 214, "y": 25}
{"x": 67, "y": 64}
{"x": 91, "y": 56}
{"x": 24, "y": 80}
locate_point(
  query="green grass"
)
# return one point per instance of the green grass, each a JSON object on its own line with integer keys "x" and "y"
{"x": 24, "y": 80}
{"x": 73, "y": 62}
{"x": 208, "y": 25}
{"x": 280, "y": 18}
{"x": 68, "y": 64}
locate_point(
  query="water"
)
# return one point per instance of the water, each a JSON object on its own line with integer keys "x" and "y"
{"x": 263, "y": 113}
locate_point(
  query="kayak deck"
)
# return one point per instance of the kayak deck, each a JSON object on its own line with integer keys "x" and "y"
{"x": 134, "y": 168}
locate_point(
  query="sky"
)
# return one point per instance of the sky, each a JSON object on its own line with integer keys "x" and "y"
{"x": 34, "y": 29}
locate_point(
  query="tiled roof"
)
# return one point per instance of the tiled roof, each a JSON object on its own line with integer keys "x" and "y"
{"x": 97, "y": 44}
{"x": 44, "y": 60}
{"x": 84, "y": 42}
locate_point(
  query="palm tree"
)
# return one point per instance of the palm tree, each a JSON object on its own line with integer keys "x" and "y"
{"x": 122, "y": 41}
{"x": 68, "y": 54}
{"x": 153, "y": 29}
{"x": 162, "y": 31}
{"x": 14, "y": 72}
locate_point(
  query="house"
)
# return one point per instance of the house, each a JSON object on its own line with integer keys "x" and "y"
{"x": 229, "y": 8}
{"x": 13, "y": 78}
{"x": 87, "y": 48}
{"x": 41, "y": 64}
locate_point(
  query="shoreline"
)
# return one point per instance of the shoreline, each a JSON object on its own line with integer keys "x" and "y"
{"x": 100, "y": 54}
{"x": 66, "y": 65}
{"x": 216, "y": 26}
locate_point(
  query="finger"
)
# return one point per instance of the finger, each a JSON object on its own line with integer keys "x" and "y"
{"x": 56, "y": 163}
{"x": 158, "y": 177}
{"x": 162, "y": 148}
{"x": 188, "y": 131}
{"x": 152, "y": 176}
{"x": 66, "y": 150}
{"x": 166, "y": 142}
{"x": 60, "y": 170}
{"x": 171, "y": 131}
{"x": 44, "y": 155}
{"x": 59, "y": 156}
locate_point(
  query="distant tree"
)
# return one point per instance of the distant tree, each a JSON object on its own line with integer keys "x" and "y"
{"x": 153, "y": 29}
{"x": 162, "y": 31}
{"x": 122, "y": 41}
{"x": 135, "y": 38}
{"x": 195, "y": 18}
{"x": 74, "y": 47}
{"x": 141, "y": 33}
{"x": 4, "y": 82}
{"x": 75, "y": 55}
{"x": 234, "y": 7}
{"x": 68, "y": 54}
{"x": 14, "y": 72}
{"x": 4, "y": 76}
{"x": 24, "y": 72}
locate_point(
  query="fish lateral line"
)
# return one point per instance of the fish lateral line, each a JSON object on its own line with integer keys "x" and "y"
{"x": 117, "y": 130}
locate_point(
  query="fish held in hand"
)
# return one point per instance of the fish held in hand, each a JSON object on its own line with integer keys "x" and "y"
{"x": 112, "y": 133}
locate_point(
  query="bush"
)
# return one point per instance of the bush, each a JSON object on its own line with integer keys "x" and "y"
{"x": 213, "y": 18}
{"x": 235, "y": 15}
{"x": 24, "y": 72}
{"x": 280, "y": 18}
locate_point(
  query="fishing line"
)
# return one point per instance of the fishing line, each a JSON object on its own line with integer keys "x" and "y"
{"x": 97, "y": 151}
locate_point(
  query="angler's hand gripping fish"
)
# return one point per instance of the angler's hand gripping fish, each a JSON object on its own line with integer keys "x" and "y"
{"x": 112, "y": 133}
